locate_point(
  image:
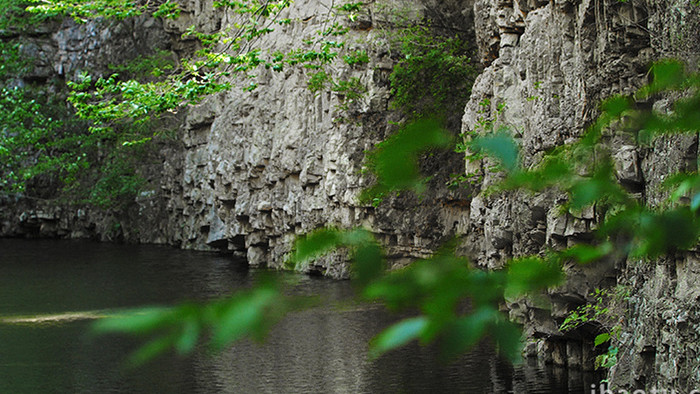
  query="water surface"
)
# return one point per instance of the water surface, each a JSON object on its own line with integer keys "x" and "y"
{"x": 322, "y": 350}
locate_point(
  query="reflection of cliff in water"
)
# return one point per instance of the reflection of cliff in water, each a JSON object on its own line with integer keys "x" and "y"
{"x": 324, "y": 350}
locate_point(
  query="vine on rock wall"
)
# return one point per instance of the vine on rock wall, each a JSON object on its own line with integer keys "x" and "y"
{"x": 434, "y": 74}
{"x": 45, "y": 150}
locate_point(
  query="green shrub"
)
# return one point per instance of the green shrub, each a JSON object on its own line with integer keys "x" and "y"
{"x": 434, "y": 74}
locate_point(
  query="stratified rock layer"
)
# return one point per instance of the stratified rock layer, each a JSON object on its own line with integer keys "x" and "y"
{"x": 252, "y": 170}
{"x": 550, "y": 65}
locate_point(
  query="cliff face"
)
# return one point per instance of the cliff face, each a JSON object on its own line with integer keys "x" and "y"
{"x": 260, "y": 168}
{"x": 251, "y": 170}
{"x": 550, "y": 65}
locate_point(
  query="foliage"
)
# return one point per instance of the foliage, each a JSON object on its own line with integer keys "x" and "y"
{"x": 147, "y": 67}
{"x": 119, "y": 181}
{"x": 250, "y": 313}
{"x": 24, "y": 122}
{"x": 369, "y": 261}
{"x": 432, "y": 78}
{"x": 14, "y": 20}
{"x": 42, "y": 144}
{"x": 358, "y": 57}
{"x": 605, "y": 316}
{"x": 473, "y": 152}
{"x": 320, "y": 56}
{"x": 111, "y": 104}
{"x": 82, "y": 11}
{"x": 14, "y": 64}
{"x": 434, "y": 74}
{"x": 28, "y": 143}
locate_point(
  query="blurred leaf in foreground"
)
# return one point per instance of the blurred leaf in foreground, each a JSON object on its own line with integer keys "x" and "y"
{"x": 395, "y": 162}
{"x": 366, "y": 254}
{"x": 248, "y": 313}
{"x": 501, "y": 146}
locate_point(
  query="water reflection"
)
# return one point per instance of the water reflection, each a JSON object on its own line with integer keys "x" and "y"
{"x": 322, "y": 350}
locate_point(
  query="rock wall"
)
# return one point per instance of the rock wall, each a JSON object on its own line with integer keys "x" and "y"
{"x": 261, "y": 168}
{"x": 252, "y": 170}
{"x": 550, "y": 63}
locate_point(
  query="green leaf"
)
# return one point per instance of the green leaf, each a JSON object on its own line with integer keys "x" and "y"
{"x": 316, "y": 244}
{"x": 368, "y": 263}
{"x": 683, "y": 188}
{"x": 601, "y": 187}
{"x": 529, "y": 274}
{"x": 658, "y": 233}
{"x": 587, "y": 192}
{"x": 666, "y": 74}
{"x": 602, "y": 338}
{"x": 151, "y": 350}
{"x": 356, "y": 237}
{"x": 616, "y": 105}
{"x": 395, "y": 161}
{"x": 552, "y": 172}
{"x": 189, "y": 336}
{"x": 242, "y": 315}
{"x": 138, "y": 321}
{"x": 397, "y": 335}
{"x": 587, "y": 253}
{"x": 397, "y": 290}
{"x": 507, "y": 336}
{"x": 466, "y": 331}
{"x": 501, "y": 146}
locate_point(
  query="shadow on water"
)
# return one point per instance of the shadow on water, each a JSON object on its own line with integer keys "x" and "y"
{"x": 323, "y": 350}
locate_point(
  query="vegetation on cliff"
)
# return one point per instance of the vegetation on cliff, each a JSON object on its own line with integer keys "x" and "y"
{"x": 82, "y": 152}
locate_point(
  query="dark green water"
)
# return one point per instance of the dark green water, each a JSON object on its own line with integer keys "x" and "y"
{"x": 322, "y": 350}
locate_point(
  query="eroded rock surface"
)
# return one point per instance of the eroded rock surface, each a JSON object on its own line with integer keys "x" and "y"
{"x": 550, "y": 65}
{"x": 252, "y": 170}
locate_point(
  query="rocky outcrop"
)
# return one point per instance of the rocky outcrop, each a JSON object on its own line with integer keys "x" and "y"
{"x": 550, "y": 65}
{"x": 252, "y": 170}
{"x": 261, "y": 168}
